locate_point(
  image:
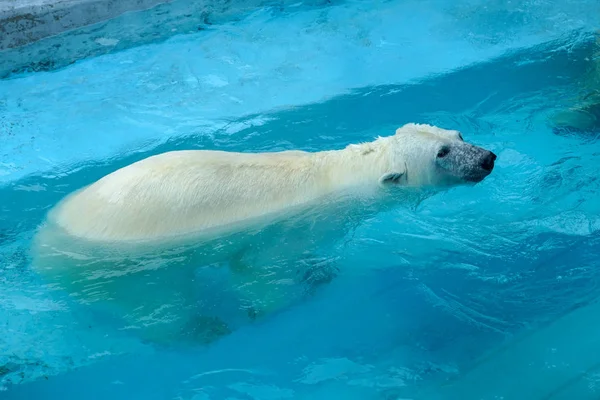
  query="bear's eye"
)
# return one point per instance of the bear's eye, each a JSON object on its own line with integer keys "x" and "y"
{"x": 460, "y": 137}
{"x": 443, "y": 152}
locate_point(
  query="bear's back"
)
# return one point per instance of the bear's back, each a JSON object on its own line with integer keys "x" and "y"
{"x": 182, "y": 192}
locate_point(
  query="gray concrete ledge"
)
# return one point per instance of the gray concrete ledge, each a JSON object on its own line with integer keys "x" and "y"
{"x": 42, "y": 35}
{"x": 25, "y": 21}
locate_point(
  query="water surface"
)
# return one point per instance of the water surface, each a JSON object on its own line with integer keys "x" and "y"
{"x": 422, "y": 292}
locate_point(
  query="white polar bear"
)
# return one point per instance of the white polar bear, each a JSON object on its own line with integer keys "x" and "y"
{"x": 115, "y": 239}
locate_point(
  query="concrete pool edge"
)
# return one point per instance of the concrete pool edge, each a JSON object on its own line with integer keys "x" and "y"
{"x": 35, "y": 38}
{"x": 563, "y": 352}
{"x": 24, "y": 22}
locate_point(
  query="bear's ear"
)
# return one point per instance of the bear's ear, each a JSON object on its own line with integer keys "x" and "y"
{"x": 392, "y": 178}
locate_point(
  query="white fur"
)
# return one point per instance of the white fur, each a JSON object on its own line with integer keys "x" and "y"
{"x": 182, "y": 192}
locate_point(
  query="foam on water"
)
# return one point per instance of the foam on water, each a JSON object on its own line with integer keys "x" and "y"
{"x": 422, "y": 292}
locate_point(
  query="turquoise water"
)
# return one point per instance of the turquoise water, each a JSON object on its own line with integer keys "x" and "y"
{"x": 422, "y": 293}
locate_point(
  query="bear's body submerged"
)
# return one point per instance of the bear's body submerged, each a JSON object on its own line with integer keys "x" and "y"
{"x": 100, "y": 239}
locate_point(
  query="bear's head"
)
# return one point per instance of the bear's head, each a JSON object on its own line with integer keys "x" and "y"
{"x": 425, "y": 155}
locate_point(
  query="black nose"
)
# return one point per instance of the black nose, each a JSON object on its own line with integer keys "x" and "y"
{"x": 488, "y": 161}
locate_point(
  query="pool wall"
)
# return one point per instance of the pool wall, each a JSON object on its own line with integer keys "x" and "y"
{"x": 43, "y": 35}
{"x": 25, "y": 21}
{"x": 556, "y": 361}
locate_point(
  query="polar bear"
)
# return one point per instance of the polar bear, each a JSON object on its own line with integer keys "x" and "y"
{"x": 149, "y": 238}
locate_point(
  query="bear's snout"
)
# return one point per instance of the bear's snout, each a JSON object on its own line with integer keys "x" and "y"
{"x": 487, "y": 163}
{"x": 468, "y": 162}
{"x": 484, "y": 165}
